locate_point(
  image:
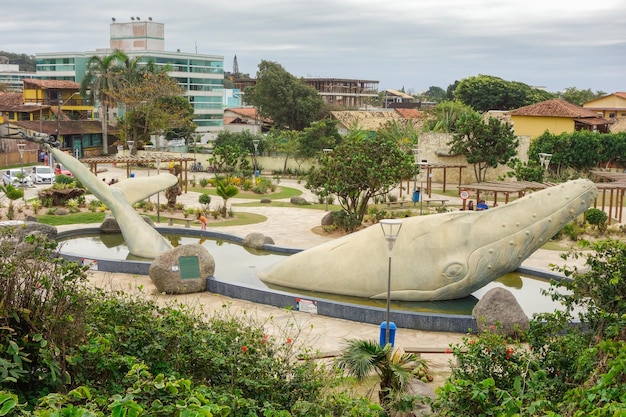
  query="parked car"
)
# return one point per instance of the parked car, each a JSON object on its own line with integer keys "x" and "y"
{"x": 12, "y": 176}
{"x": 42, "y": 174}
{"x": 61, "y": 170}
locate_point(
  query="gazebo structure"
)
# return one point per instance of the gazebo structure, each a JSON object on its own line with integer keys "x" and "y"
{"x": 613, "y": 186}
{"x": 429, "y": 180}
{"x": 142, "y": 160}
{"x": 518, "y": 188}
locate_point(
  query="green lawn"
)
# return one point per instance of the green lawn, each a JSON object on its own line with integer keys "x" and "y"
{"x": 72, "y": 218}
{"x": 285, "y": 192}
{"x": 241, "y": 218}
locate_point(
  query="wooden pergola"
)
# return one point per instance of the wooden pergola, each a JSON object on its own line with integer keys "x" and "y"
{"x": 518, "y": 188}
{"x": 429, "y": 180}
{"x": 130, "y": 160}
{"x": 613, "y": 184}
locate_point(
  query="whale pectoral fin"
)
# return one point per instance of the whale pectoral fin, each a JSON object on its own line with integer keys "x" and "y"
{"x": 137, "y": 189}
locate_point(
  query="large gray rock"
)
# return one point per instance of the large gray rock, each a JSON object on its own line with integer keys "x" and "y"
{"x": 328, "y": 219}
{"x": 25, "y": 228}
{"x": 257, "y": 240}
{"x": 499, "y": 308}
{"x": 46, "y": 230}
{"x": 298, "y": 201}
{"x": 171, "y": 276}
{"x": 110, "y": 224}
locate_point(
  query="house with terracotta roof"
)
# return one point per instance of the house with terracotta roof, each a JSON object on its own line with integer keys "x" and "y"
{"x": 372, "y": 120}
{"x": 612, "y": 106}
{"x": 555, "y": 116}
{"x": 55, "y": 108}
{"x": 240, "y": 119}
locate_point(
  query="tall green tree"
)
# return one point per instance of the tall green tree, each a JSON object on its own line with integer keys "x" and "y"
{"x": 362, "y": 167}
{"x": 484, "y": 145}
{"x": 102, "y": 79}
{"x": 154, "y": 104}
{"x": 288, "y": 101}
{"x": 579, "y": 97}
{"x": 486, "y": 92}
{"x": 319, "y": 135}
{"x": 435, "y": 93}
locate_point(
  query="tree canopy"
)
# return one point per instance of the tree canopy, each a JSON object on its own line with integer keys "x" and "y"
{"x": 486, "y": 92}
{"x": 362, "y": 167}
{"x": 484, "y": 145}
{"x": 288, "y": 101}
{"x": 579, "y": 97}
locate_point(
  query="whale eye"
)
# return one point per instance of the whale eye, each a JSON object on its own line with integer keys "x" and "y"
{"x": 454, "y": 271}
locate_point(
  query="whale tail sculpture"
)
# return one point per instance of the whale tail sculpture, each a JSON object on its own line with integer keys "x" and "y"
{"x": 142, "y": 239}
{"x": 436, "y": 257}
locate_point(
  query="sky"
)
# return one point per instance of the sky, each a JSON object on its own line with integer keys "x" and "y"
{"x": 410, "y": 45}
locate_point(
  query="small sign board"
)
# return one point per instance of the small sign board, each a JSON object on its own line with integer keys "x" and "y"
{"x": 464, "y": 194}
{"x": 189, "y": 267}
{"x": 307, "y": 306}
{"x": 91, "y": 263}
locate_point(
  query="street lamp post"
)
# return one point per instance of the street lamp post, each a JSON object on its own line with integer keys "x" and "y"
{"x": 544, "y": 160}
{"x": 327, "y": 152}
{"x": 391, "y": 229}
{"x": 255, "y": 142}
{"x": 60, "y": 111}
{"x": 130, "y": 144}
{"x": 416, "y": 156}
{"x": 148, "y": 149}
{"x": 421, "y": 165}
{"x": 20, "y": 148}
{"x": 157, "y": 156}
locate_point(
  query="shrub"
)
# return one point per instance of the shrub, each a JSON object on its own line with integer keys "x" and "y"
{"x": 42, "y": 311}
{"x": 597, "y": 218}
{"x": 93, "y": 205}
{"x": 73, "y": 205}
{"x": 345, "y": 221}
{"x": 205, "y": 200}
{"x": 203, "y": 182}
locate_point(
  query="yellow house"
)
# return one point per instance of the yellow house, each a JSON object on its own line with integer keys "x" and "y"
{"x": 556, "y": 116}
{"x": 61, "y": 95}
{"x": 612, "y": 106}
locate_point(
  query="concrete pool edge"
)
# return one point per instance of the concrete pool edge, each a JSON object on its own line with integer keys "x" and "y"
{"x": 372, "y": 315}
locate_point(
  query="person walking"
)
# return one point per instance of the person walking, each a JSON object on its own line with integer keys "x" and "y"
{"x": 203, "y": 221}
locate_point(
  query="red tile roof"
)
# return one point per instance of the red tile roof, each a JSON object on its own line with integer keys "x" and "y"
{"x": 11, "y": 99}
{"x": 409, "y": 113}
{"x": 60, "y": 84}
{"x": 244, "y": 111}
{"x": 74, "y": 127}
{"x": 554, "y": 108}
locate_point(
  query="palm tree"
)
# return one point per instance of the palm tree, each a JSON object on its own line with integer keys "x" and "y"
{"x": 393, "y": 366}
{"x": 226, "y": 191}
{"x": 12, "y": 194}
{"x": 102, "y": 78}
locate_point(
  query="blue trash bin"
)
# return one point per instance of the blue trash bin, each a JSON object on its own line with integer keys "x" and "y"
{"x": 416, "y": 196}
{"x": 383, "y": 333}
{"x": 257, "y": 173}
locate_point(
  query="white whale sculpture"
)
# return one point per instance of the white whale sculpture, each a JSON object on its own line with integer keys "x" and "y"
{"x": 436, "y": 257}
{"x": 141, "y": 238}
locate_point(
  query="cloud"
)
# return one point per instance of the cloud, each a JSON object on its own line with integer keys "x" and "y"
{"x": 415, "y": 44}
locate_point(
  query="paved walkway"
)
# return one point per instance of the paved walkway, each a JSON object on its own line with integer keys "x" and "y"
{"x": 293, "y": 228}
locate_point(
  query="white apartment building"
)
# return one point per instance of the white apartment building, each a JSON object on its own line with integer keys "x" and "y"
{"x": 201, "y": 76}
